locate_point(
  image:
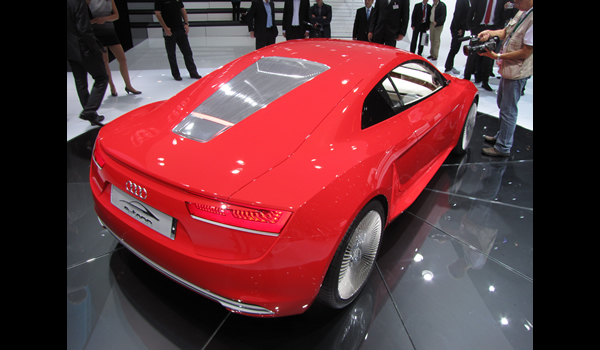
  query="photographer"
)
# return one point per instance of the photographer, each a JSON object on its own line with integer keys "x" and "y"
{"x": 516, "y": 66}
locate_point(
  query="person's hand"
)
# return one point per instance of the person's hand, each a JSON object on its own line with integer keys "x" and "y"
{"x": 370, "y": 36}
{"x": 489, "y": 54}
{"x": 252, "y": 35}
{"x": 99, "y": 20}
{"x": 187, "y": 29}
{"x": 400, "y": 37}
{"x": 168, "y": 32}
{"x": 484, "y": 36}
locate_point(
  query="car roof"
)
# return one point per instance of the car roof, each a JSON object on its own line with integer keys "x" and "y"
{"x": 344, "y": 54}
{"x": 273, "y": 72}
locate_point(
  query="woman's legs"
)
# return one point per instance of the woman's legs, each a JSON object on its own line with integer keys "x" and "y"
{"x": 119, "y": 53}
{"x": 113, "y": 89}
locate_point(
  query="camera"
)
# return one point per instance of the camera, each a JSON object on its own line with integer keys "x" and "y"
{"x": 476, "y": 47}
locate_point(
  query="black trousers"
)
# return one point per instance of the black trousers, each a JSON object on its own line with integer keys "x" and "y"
{"x": 90, "y": 101}
{"x": 481, "y": 66}
{"x": 179, "y": 38}
{"x": 417, "y": 36}
{"x": 384, "y": 36}
{"x": 295, "y": 33}
{"x": 266, "y": 38}
{"x": 454, "y": 49}
{"x": 237, "y": 11}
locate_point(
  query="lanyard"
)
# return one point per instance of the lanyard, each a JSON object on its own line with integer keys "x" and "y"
{"x": 523, "y": 18}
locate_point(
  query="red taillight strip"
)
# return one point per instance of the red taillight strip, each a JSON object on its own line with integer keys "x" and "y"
{"x": 97, "y": 156}
{"x": 255, "y": 220}
{"x": 235, "y": 227}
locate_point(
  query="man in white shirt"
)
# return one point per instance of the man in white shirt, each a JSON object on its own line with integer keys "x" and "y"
{"x": 295, "y": 17}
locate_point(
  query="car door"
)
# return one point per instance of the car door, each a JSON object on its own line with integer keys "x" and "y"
{"x": 411, "y": 93}
{"x": 426, "y": 104}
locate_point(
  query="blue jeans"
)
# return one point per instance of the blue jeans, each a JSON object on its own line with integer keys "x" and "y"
{"x": 509, "y": 95}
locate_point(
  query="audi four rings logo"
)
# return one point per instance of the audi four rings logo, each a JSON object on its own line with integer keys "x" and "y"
{"x": 136, "y": 190}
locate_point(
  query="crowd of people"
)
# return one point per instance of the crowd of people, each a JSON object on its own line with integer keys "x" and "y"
{"x": 386, "y": 22}
{"x": 91, "y": 33}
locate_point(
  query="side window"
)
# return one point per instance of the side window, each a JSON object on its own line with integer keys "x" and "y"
{"x": 404, "y": 86}
{"x": 415, "y": 81}
{"x": 381, "y": 104}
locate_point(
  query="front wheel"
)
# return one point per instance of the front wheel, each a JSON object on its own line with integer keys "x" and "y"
{"x": 355, "y": 258}
{"x": 468, "y": 131}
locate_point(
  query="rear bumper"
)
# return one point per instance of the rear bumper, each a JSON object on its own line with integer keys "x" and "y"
{"x": 229, "y": 304}
{"x": 285, "y": 281}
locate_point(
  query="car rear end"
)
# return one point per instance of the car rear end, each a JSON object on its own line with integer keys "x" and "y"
{"x": 235, "y": 267}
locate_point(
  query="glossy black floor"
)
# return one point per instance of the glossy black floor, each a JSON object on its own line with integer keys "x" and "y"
{"x": 455, "y": 272}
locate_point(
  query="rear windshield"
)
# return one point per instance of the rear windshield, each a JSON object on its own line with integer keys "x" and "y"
{"x": 250, "y": 91}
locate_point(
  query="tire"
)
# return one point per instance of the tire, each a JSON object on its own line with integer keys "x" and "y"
{"x": 355, "y": 258}
{"x": 467, "y": 133}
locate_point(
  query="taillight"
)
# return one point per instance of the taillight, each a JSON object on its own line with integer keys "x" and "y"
{"x": 248, "y": 219}
{"x": 98, "y": 157}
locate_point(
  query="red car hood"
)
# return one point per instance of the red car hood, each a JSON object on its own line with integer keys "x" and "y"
{"x": 144, "y": 139}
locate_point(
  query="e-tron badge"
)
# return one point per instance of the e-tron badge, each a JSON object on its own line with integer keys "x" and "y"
{"x": 136, "y": 190}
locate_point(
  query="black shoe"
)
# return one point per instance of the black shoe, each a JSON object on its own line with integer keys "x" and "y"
{"x": 94, "y": 119}
{"x": 132, "y": 92}
{"x": 178, "y": 78}
{"x": 196, "y": 76}
{"x": 487, "y": 87}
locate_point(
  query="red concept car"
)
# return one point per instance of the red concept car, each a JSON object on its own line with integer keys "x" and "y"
{"x": 269, "y": 183}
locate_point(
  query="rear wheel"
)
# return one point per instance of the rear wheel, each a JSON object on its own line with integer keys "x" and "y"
{"x": 355, "y": 258}
{"x": 468, "y": 131}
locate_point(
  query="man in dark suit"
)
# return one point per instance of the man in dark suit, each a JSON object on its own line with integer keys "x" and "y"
{"x": 320, "y": 17}
{"x": 483, "y": 15}
{"x": 84, "y": 54}
{"x": 295, "y": 14}
{"x": 390, "y": 21}
{"x": 458, "y": 29}
{"x": 421, "y": 20}
{"x": 362, "y": 21}
{"x": 261, "y": 23}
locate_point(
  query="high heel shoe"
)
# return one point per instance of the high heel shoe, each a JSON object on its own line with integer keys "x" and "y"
{"x": 132, "y": 92}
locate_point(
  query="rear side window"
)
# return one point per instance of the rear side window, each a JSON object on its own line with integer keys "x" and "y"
{"x": 381, "y": 104}
{"x": 403, "y": 87}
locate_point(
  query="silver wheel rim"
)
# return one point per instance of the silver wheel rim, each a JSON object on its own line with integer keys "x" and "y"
{"x": 360, "y": 255}
{"x": 470, "y": 127}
